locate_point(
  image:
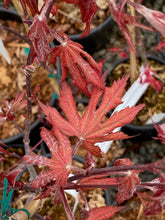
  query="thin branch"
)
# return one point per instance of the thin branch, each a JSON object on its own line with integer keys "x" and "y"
{"x": 66, "y": 206}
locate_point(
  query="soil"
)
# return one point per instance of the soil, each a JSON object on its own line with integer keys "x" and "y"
{"x": 13, "y": 80}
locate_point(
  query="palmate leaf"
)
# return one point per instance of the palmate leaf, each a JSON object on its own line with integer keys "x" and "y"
{"x": 128, "y": 182}
{"x": 89, "y": 128}
{"x": 83, "y": 68}
{"x": 102, "y": 213}
{"x": 59, "y": 164}
{"x": 39, "y": 35}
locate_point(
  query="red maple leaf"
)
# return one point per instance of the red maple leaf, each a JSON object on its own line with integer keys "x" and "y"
{"x": 154, "y": 18}
{"x": 160, "y": 47}
{"x": 150, "y": 78}
{"x": 102, "y": 213}
{"x": 127, "y": 183}
{"x": 39, "y": 36}
{"x": 89, "y": 128}
{"x": 155, "y": 202}
{"x": 10, "y": 107}
{"x": 59, "y": 164}
{"x": 88, "y": 9}
{"x": 82, "y": 66}
{"x": 6, "y": 3}
{"x": 123, "y": 20}
{"x": 160, "y": 130}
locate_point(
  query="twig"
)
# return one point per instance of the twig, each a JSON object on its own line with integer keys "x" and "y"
{"x": 133, "y": 65}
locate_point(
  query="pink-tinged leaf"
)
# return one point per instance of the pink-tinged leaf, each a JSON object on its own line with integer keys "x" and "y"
{"x": 153, "y": 203}
{"x": 120, "y": 51}
{"x": 57, "y": 193}
{"x": 19, "y": 102}
{"x": 149, "y": 78}
{"x": 127, "y": 187}
{"x": 82, "y": 67}
{"x": 94, "y": 150}
{"x": 15, "y": 105}
{"x": 66, "y": 99}
{"x": 160, "y": 46}
{"x": 54, "y": 8}
{"x": 60, "y": 163}
{"x": 161, "y": 131}
{"x": 118, "y": 119}
{"x": 35, "y": 92}
{"x": 57, "y": 119}
{"x": 39, "y": 37}
{"x": 90, "y": 128}
{"x": 155, "y": 18}
{"x": 6, "y": 3}
{"x": 90, "y": 162}
{"x": 123, "y": 20}
{"x": 88, "y": 10}
{"x": 102, "y": 213}
{"x": 122, "y": 162}
{"x": 12, "y": 176}
{"x": 127, "y": 183}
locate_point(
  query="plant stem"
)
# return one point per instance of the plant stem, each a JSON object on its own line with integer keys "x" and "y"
{"x": 15, "y": 32}
{"x": 75, "y": 147}
{"x": 118, "y": 169}
{"x": 66, "y": 206}
{"x": 133, "y": 65}
{"x": 26, "y": 139}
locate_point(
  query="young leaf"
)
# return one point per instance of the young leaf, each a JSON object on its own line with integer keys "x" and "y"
{"x": 153, "y": 203}
{"x": 123, "y": 20}
{"x": 102, "y": 213}
{"x": 38, "y": 35}
{"x": 161, "y": 132}
{"x": 127, "y": 183}
{"x": 89, "y": 128}
{"x": 59, "y": 164}
{"x": 6, "y": 3}
{"x": 155, "y": 18}
{"x": 10, "y": 108}
{"x": 81, "y": 65}
{"x": 149, "y": 78}
{"x": 88, "y": 10}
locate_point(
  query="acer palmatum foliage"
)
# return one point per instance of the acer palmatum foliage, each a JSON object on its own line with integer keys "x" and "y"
{"x": 83, "y": 68}
{"x": 9, "y": 108}
{"x": 60, "y": 163}
{"x": 89, "y": 128}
